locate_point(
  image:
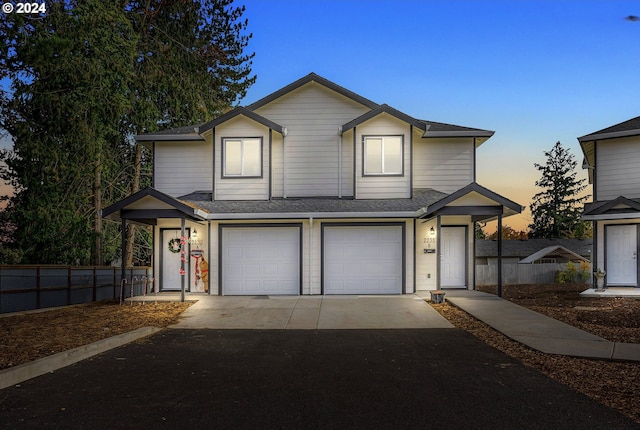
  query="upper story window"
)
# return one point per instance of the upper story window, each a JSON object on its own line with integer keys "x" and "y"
{"x": 242, "y": 157}
{"x": 383, "y": 155}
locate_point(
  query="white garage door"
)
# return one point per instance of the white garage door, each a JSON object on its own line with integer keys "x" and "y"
{"x": 260, "y": 260}
{"x": 363, "y": 260}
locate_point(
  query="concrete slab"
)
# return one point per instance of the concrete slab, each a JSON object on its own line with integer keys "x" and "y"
{"x": 626, "y": 351}
{"x": 311, "y": 312}
{"x": 609, "y": 292}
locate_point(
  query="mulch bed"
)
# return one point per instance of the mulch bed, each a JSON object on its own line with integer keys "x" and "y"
{"x": 32, "y": 335}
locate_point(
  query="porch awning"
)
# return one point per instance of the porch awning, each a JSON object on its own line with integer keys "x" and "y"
{"x": 618, "y": 208}
{"x": 475, "y": 200}
{"x": 148, "y": 205}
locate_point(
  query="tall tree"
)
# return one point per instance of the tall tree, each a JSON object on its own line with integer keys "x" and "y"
{"x": 557, "y": 209}
{"x": 88, "y": 75}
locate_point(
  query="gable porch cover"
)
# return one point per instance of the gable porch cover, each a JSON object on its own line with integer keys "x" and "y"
{"x": 145, "y": 207}
{"x": 481, "y": 205}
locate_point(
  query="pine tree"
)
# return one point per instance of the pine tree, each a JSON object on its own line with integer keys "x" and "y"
{"x": 557, "y": 209}
{"x": 86, "y": 76}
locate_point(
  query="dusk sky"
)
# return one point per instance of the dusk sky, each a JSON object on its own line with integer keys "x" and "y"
{"x": 535, "y": 72}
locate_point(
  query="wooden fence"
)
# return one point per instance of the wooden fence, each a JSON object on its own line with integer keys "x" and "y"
{"x": 514, "y": 274}
{"x": 27, "y": 287}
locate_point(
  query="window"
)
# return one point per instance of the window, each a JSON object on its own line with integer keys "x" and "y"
{"x": 242, "y": 158}
{"x": 382, "y": 155}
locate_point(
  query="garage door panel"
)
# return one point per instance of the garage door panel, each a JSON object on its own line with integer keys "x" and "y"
{"x": 260, "y": 260}
{"x": 363, "y": 259}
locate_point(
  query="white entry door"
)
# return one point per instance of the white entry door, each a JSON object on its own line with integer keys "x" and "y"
{"x": 621, "y": 257}
{"x": 171, "y": 280}
{"x": 260, "y": 260}
{"x": 453, "y": 257}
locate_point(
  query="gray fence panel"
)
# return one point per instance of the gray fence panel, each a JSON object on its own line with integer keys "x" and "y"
{"x": 32, "y": 287}
{"x": 517, "y": 274}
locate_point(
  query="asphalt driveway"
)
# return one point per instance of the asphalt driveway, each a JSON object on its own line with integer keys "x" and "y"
{"x": 360, "y": 379}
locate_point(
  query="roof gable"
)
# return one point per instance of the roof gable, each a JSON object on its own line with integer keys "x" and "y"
{"x": 312, "y": 77}
{"x": 149, "y": 204}
{"x": 618, "y": 205}
{"x": 470, "y": 197}
{"x": 382, "y": 109}
{"x": 624, "y": 129}
{"x": 244, "y": 112}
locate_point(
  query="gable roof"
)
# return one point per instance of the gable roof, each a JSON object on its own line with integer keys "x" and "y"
{"x": 509, "y": 207}
{"x": 241, "y": 111}
{"x": 384, "y": 108}
{"x": 624, "y": 129}
{"x": 312, "y": 77}
{"x": 551, "y": 251}
{"x": 158, "y": 205}
{"x": 610, "y": 207}
{"x": 525, "y": 248}
{"x": 440, "y": 129}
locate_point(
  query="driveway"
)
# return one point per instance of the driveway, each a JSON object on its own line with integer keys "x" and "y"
{"x": 311, "y": 312}
{"x": 302, "y": 379}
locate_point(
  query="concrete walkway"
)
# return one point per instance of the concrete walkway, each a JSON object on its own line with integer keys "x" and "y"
{"x": 539, "y": 331}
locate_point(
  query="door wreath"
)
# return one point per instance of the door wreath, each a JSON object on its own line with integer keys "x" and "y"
{"x": 174, "y": 245}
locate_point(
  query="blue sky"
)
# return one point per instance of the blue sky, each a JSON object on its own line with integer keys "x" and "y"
{"x": 535, "y": 72}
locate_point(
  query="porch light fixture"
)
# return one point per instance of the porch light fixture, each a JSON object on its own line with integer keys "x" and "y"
{"x": 195, "y": 234}
{"x": 432, "y": 232}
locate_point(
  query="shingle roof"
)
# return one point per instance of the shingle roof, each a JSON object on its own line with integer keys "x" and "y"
{"x": 524, "y": 248}
{"x": 624, "y": 129}
{"x": 421, "y": 198}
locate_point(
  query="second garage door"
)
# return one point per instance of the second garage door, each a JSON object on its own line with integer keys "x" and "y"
{"x": 363, "y": 259}
{"x": 260, "y": 260}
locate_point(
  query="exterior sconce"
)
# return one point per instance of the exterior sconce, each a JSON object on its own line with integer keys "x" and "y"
{"x": 194, "y": 236}
{"x": 432, "y": 232}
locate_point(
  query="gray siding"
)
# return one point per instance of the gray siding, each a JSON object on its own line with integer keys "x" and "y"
{"x": 242, "y": 188}
{"x": 182, "y": 167}
{"x": 384, "y": 186}
{"x": 443, "y": 164}
{"x": 617, "y": 168}
{"x": 312, "y": 115}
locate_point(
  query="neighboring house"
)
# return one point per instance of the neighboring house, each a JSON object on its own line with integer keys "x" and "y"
{"x": 534, "y": 251}
{"x": 612, "y": 156}
{"x": 314, "y": 190}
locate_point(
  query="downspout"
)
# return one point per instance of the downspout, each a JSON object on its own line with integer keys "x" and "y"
{"x": 310, "y": 252}
{"x": 284, "y": 162}
{"x": 339, "y": 162}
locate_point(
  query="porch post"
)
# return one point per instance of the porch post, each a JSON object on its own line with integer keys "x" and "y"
{"x": 123, "y": 249}
{"x": 183, "y": 256}
{"x": 438, "y": 251}
{"x": 500, "y": 255}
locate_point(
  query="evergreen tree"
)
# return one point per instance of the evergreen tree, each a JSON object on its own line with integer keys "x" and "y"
{"x": 86, "y": 76}
{"x": 557, "y": 209}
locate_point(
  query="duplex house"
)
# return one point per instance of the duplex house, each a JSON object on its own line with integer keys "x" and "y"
{"x": 612, "y": 157}
{"x": 314, "y": 189}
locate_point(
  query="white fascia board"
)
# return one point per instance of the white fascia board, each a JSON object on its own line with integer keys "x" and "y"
{"x": 605, "y": 217}
{"x": 297, "y": 215}
{"x": 202, "y": 214}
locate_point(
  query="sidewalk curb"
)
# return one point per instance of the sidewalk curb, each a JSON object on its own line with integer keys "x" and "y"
{"x": 23, "y": 372}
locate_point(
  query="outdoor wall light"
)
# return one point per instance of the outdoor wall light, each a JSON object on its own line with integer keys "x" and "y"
{"x": 432, "y": 232}
{"x": 195, "y": 234}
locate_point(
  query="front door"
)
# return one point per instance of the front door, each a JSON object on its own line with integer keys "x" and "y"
{"x": 621, "y": 256}
{"x": 170, "y": 278}
{"x": 453, "y": 257}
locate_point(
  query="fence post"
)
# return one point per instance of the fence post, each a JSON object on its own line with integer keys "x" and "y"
{"x": 68, "y": 285}
{"x": 95, "y": 283}
{"x": 38, "y": 287}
